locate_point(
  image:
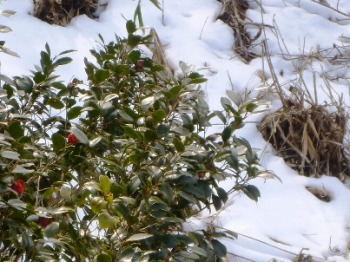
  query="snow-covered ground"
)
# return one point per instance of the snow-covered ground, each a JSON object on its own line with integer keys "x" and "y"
{"x": 287, "y": 219}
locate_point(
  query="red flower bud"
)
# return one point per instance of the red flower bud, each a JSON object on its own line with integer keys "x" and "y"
{"x": 72, "y": 139}
{"x": 19, "y": 186}
{"x": 200, "y": 174}
{"x": 139, "y": 65}
{"x": 44, "y": 221}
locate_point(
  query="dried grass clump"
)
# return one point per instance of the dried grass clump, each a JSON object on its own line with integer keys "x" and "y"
{"x": 309, "y": 139}
{"x": 233, "y": 13}
{"x": 61, "y": 12}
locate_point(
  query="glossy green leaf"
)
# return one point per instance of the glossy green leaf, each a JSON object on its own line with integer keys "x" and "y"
{"x": 130, "y": 26}
{"x": 105, "y": 184}
{"x": 158, "y": 115}
{"x": 252, "y": 192}
{"x": 104, "y": 258}
{"x": 156, "y": 3}
{"x": 132, "y": 133}
{"x": 226, "y": 133}
{"x": 55, "y": 103}
{"x": 219, "y": 248}
{"x": 105, "y": 220}
{"x": 15, "y": 130}
{"x": 217, "y": 202}
{"x": 101, "y": 75}
{"x": 97, "y": 204}
{"x": 74, "y": 112}
{"x": 58, "y": 142}
{"x": 62, "y": 61}
{"x": 139, "y": 236}
{"x": 180, "y": 147}
{"x": 222, "y": 194}
{"x": 52, "y": 229}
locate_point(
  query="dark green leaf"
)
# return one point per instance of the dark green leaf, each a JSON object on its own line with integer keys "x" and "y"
{"x": 219, "y": 248}
{"x": 25, "y": 84}
{"x": 134, "y": 40}
{"x": 163, "y": 129}
{"x": 67, "y": 52}
{"x": 105, "y": 220}
{"x": 138, "y": 14}
{"x": 126, "y": 116}
{"x": 132, "y": 133}
{"x": 222, "y": 194}
{"x": 74, "y": 112}
{"x": 226, "y": 133}
{"x": 180, "y": 147}
{"x": 45, "y": 60}
{"x": 62, "y": 61}
{"x": 188, "y": 197}
{"x": 150, "y": 135}
{"x": 15, "y": 130}
{"x": 216, "y": 202}
{"x": 156, "y": 3}
{"x": 134, "y": 56}
{"x": 251, "y": 107}
{"x": 52, "y": 229}
{"x": 58, "y": 142}
{"x": 47, "y": 48}
{"x": 101, "y": 75}
{"x": 55, "y": 103}
{"x": 104, "y": 258}
{"x": 158, "y": 115}
{"x": 130, "y": 26}
{"x": 59, "y": 85}
{"x": 252, "y": 192}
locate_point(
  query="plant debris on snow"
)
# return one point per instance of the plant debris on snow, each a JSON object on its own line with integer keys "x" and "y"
{"x": 233, "y": 13}
{"x": 61, "y": 12}
{"x": 310, "y": 139}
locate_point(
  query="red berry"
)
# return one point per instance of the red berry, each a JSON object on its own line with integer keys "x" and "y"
{"x": 44, "y": 221}
{"x": 72, "y": 139}
{"x": 19, "y": 186}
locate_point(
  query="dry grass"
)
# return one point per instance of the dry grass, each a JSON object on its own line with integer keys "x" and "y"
{"x": 310, "y": 139}
{"x": 61, "y": 12}
{"x": 233, "y": 13}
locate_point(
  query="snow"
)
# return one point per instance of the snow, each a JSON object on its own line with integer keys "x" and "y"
{"x": 287, "y": 219}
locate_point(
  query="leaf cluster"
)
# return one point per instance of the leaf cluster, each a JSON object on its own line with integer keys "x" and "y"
{"x": 145, "y": 162}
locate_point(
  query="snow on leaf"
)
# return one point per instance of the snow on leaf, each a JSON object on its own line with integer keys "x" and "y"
{"x": 10, "y": 155}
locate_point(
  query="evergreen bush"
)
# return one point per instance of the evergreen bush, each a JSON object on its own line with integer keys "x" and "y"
{"x": 109, "y": 170}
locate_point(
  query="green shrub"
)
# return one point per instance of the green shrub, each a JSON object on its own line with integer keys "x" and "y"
{"x": 110, "y": 170}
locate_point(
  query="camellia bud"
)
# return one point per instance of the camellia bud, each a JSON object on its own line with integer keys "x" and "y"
{"x": 44, "y": 221}
{"x": 19, "y": 186}
{"x": 72, "y": 139}
{"x": 201, "y": 174}
{"x": 139, "y": 65}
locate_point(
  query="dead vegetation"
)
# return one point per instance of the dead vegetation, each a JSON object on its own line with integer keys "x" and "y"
{"x": 61, "y": 12}
{"x": 310, "y": 139}
{"x": 233, "y": 13}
